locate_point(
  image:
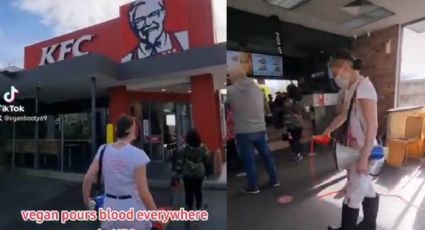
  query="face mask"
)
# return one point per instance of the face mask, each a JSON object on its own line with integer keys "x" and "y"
{"x": 341, "y": 82}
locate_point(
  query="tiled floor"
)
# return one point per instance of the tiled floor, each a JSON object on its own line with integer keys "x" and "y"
{"x": 309, "y": 212}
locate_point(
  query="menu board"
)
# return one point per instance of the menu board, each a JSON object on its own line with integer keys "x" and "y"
{"x": 267, "y": 65}
{"x": 238, "y": 58}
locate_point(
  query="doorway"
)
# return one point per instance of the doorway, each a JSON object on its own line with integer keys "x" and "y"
{"x": 162, "y": 127}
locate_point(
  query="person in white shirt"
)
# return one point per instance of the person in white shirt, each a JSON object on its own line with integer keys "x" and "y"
{"x": 362, "y": 125}
{"x": 124, "y": 173}
{"x": 357, "y": 65}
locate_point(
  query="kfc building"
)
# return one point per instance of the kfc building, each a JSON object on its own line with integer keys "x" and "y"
{"x": 159, "y": 61}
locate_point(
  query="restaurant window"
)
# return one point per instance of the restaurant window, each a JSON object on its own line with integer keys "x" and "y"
{"x": 411, "y": 87}
{"x": 64, "y": 138}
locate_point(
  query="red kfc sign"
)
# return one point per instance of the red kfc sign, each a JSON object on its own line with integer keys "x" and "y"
{"x": 144, "y": 29}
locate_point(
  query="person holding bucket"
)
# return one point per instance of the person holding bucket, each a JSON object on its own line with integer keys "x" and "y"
{"x": 360, "y": 123}
{"x": 123, "y": 167}
{"x": 357, "y": 65}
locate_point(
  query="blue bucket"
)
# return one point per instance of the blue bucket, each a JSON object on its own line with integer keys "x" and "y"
{"x": 99, "y": 201}
{"x": 377, "y": 152}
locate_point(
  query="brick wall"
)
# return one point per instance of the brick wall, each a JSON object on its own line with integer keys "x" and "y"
{"x": 380, "y": 66}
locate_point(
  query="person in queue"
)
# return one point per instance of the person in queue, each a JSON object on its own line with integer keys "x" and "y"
{"x": 278, "y": 106}
{"x": 360, "y": 111}
{"x": 247, "y": 104}
{"x": 294, "y": 120}
{"x": 271, "y": 117}
{"x": 267, "y": 110}
{"x": 124, "y": 173}
{"x": 270, "y": 102}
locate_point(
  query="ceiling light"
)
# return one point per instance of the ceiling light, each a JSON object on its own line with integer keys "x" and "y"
{"x": 367, "y": 18}
{"x": 287, "y": 4}
{"x": 359, "y": 7}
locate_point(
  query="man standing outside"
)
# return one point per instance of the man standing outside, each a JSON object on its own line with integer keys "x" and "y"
{"x": 246, "y": 101}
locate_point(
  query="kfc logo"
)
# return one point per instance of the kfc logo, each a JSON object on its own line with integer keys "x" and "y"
{"x": 65, "y": 47}
{"x": 147, "y": 19}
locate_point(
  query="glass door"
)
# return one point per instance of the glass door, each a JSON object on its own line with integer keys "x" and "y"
{"x": 162, "y": 128}
{"x": 152, "y": 127}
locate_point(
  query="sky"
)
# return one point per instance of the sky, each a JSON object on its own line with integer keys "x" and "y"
{"x": 412, "y": 52}
{"x": 25, "y": 22}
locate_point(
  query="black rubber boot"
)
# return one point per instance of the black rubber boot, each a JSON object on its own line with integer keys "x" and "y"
{"x": 349, "y": 219}
{"x": 370, "y": 211}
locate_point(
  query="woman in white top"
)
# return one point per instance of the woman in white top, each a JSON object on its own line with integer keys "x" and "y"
{"x": 124, "y": 173}
{"x": 360, "y": 134}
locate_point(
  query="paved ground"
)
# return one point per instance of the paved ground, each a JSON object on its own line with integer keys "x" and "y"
{"x": 23, "y": 192}
{"x": 158, "y": 171}
{"x": 309, "y": 212}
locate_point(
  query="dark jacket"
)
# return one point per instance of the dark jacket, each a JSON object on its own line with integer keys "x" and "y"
{"x": 191, "y": 161}
{"x": 294, "y": 115}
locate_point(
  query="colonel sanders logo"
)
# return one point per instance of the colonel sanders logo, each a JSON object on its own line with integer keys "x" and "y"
{"x": 147, "y": 18}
